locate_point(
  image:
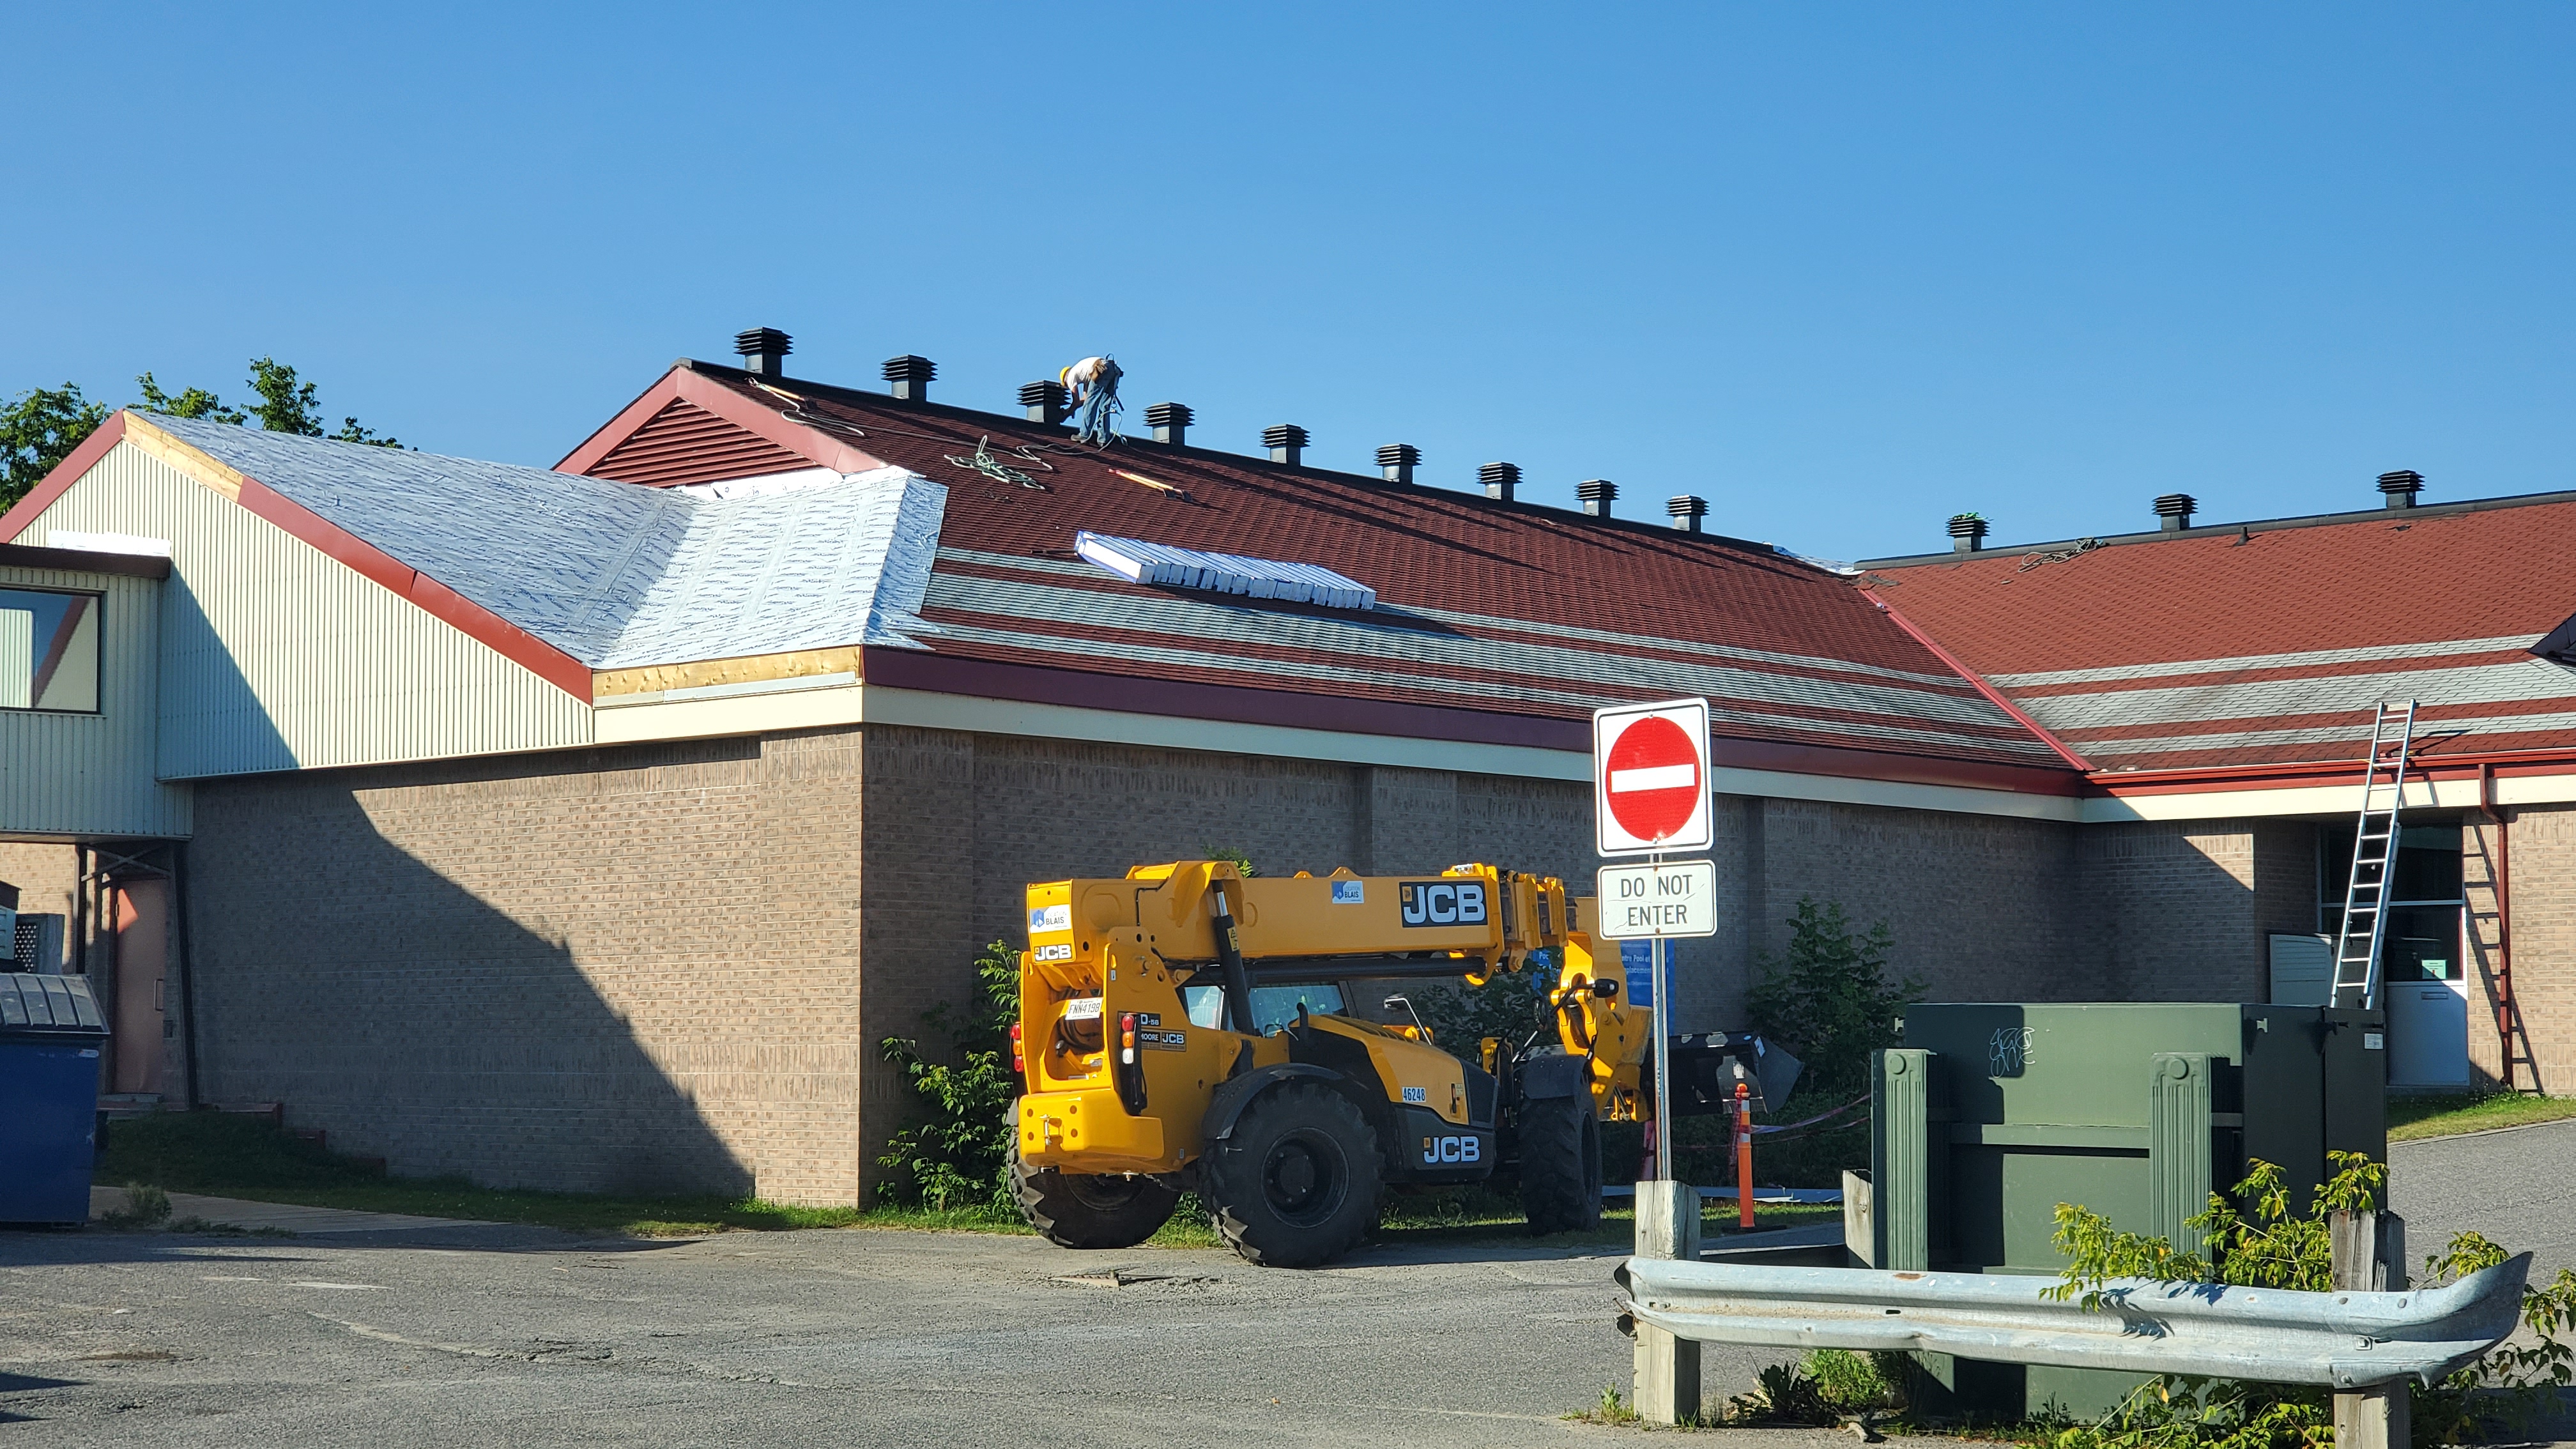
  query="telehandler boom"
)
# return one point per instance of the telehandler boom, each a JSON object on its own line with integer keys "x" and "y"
{"x": 1187, "y": 1028}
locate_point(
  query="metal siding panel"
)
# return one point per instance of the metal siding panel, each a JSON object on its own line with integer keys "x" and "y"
{"x": 276, "y": 657}
{"x": 91, "y": 774}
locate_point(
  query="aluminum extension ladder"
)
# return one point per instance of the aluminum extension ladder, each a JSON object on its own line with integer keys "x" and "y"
{"x": 2374, "y": 853}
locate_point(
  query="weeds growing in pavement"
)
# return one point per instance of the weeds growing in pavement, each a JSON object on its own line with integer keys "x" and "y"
{"x": 146, "y": 1206}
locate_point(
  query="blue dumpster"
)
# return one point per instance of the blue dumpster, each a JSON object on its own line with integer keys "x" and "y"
{"x": 50, "y": 1032}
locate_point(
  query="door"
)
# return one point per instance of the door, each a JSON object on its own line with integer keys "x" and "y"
{"x": 2426, "y": 987}
{"x": 142, "y": 954}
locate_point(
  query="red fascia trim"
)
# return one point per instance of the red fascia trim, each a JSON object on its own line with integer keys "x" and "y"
{"x": 1082, "y": 689}
{"x": 684, "y": 385}
{"x": 64, "y": 474}
{"x": 1993, "y": 695}
{"x": 476, "y": 622}
{"x": 2506, "y": 764}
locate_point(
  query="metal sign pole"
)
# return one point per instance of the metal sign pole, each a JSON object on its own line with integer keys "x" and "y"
{"x": 1663, "y": 1055}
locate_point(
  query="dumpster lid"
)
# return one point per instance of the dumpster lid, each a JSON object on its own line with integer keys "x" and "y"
{"x": 31, "y": 1004}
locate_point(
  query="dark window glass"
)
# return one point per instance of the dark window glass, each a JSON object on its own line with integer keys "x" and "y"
{"x": 48, "y": 650}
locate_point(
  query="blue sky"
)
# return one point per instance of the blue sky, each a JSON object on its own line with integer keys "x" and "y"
{"x": 1842, "y": 269}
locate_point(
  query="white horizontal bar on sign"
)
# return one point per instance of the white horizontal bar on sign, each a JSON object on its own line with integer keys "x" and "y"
{"x": 1654, "y": 777}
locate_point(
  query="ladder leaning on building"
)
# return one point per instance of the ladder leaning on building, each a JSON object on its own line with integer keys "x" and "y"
{"x": 2374, "y": 852}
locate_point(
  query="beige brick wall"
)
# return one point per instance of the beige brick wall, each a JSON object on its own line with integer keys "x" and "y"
{"x": 2179, "y": 911}
{"x": 2543, "y": 890}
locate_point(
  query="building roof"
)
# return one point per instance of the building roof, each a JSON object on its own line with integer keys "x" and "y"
{"x": 2270, "y": 643}
{"x": 612, "y": 576}
{"x": 1525, "y": 616}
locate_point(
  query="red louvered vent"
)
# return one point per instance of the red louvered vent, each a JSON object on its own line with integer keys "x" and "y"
{"x": 684, "y": 443}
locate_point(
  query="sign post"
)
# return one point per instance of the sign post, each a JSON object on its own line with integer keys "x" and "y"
{"x": 1650, "y": 795}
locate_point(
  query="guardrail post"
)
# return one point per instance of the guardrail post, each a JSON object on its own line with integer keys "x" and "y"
{"x": 1900, "y": 1160}
{"x": 2370, "y": 1257}
{"x": 1666, "y": 1386}
{"x": 2178, "y": 1131}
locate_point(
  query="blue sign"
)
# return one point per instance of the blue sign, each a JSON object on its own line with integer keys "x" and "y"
{"x": 1639, "y": 959}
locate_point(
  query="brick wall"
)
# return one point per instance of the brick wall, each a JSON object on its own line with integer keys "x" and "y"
{"x": 2179, "y": 911}
{"x": 2543, "y": 884}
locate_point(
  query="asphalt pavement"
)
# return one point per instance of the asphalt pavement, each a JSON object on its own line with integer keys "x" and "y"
{"x": 489, "y": 1335}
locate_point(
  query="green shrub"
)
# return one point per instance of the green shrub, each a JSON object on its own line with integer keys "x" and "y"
{"x": 1828, "y": 999}
{"x": 2260, "y": 1244}
{"x": 956, "y": 1155}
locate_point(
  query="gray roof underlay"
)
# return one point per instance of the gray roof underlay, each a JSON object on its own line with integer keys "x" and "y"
{"x": 614, "y": 574}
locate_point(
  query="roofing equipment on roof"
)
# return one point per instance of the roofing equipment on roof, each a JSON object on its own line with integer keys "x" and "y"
{"x": 1223, "y": 573}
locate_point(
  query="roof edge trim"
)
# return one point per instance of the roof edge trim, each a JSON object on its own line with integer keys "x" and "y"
{"x": 59, "y": 479}
{"x": 1994, "y": 696}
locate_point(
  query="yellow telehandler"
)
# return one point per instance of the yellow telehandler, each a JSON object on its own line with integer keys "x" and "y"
{"x": 1187, "y": 1028}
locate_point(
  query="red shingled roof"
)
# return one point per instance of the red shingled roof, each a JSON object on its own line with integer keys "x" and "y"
{"x": 2270, "y": 644}
{"x": 1525, "y": 616}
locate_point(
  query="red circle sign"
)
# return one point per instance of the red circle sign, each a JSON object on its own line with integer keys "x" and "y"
{"x": 1652, "y": 778}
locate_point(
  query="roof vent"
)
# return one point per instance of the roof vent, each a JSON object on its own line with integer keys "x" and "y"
{"x": 1286, "y": 442}
{"x": 1397, "y": 460}
{"x": 1170, "y": 422}
{"x": 1687, "y": 510}
{"x": 2176, "y": 510}
{"x": 1597, "y": 495}
{"x": 1044, "y": 400}
{"x": 1967, "y": 532}
{"x": 764, "y": 351}
{"x": 2401, "y": 487}
{"x": 1499, "y": 480}
{"x": 1164, "y": 565}
{"x": 911, "y": 376}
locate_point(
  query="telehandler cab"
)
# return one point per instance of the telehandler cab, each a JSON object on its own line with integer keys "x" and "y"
{"x": 1190, "y": 1029}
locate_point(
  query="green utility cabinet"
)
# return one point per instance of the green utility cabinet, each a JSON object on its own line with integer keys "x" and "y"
{"x": 1989, "y": 1116}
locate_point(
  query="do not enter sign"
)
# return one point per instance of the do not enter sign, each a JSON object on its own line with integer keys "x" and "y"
{"x": 1650, "y": 777}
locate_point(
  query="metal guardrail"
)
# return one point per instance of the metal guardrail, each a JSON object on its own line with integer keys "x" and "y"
{"x": 2270, "y": 1335}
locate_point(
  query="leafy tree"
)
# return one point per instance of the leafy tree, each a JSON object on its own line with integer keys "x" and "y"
{"x": 958, "y": 1155}
{"x": 1829, "y": 1000}
{"x": 38, "y": 429}
{"x": 194, "y": 402}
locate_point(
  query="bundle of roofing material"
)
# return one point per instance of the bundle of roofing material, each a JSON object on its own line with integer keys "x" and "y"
{"x": 1224, "y": 573}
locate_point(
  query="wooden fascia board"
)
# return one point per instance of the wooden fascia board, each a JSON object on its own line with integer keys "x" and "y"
{"x": 768, "y": 423}
{"x": 612, "y": 684}
{"x": 60, "y": 478}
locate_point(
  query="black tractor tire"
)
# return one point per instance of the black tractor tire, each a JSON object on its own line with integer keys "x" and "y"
{"x": 1072, "y": 1210}
{"x": 1297, "y": 1181}
{"x": 1560, "y": 1164}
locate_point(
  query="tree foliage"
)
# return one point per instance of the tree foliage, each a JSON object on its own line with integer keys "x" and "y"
{"x": 38, "y": 429}
{"x": 1828, "y": 999}
{"x": 41, "y": 427}
{"x": 2252, "y": 1239}
{"x": 956, "y": 1154}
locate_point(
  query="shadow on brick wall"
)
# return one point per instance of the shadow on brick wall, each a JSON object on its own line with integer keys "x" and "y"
{"x": 382, "y": 1002}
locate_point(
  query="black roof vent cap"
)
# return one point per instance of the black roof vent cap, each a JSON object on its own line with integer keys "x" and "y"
{"x": 763, "y": 351}
{"x": 1499, "y": 480}
{"x": 1597, "y": 495}
{"x": 1967, "y": 532}
{"x": 1170, "y": 422}
{"x": 911, "y": 376}
{"x": 2401, "y": 487}
{"x": 1687, "y": 509}
{"x": 1045, "y": 401}
{"x": 1286, "y": 442}
{"x": 2176, "y": 510}
{"x": 1397, "y": 461}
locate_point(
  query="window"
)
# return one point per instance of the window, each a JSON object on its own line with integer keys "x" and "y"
{"x": 2421, "y": 941}
{"x": 1272, "y": 1006}
{"x": 48, "y": 650}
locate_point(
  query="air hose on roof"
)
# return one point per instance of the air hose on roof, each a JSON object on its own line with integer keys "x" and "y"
{"x": 1093, "y": 382}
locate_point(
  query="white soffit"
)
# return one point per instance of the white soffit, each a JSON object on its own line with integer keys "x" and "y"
{"x": 1166, "y": 566}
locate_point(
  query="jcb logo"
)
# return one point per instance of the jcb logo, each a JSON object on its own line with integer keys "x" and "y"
{"x": 1438, "y": 1150}
{"x": 1442, "y": 902}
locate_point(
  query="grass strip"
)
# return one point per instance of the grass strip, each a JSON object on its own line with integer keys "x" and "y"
{"x": 226, "y": 1154}
{"x": 2448, "y": 1115}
